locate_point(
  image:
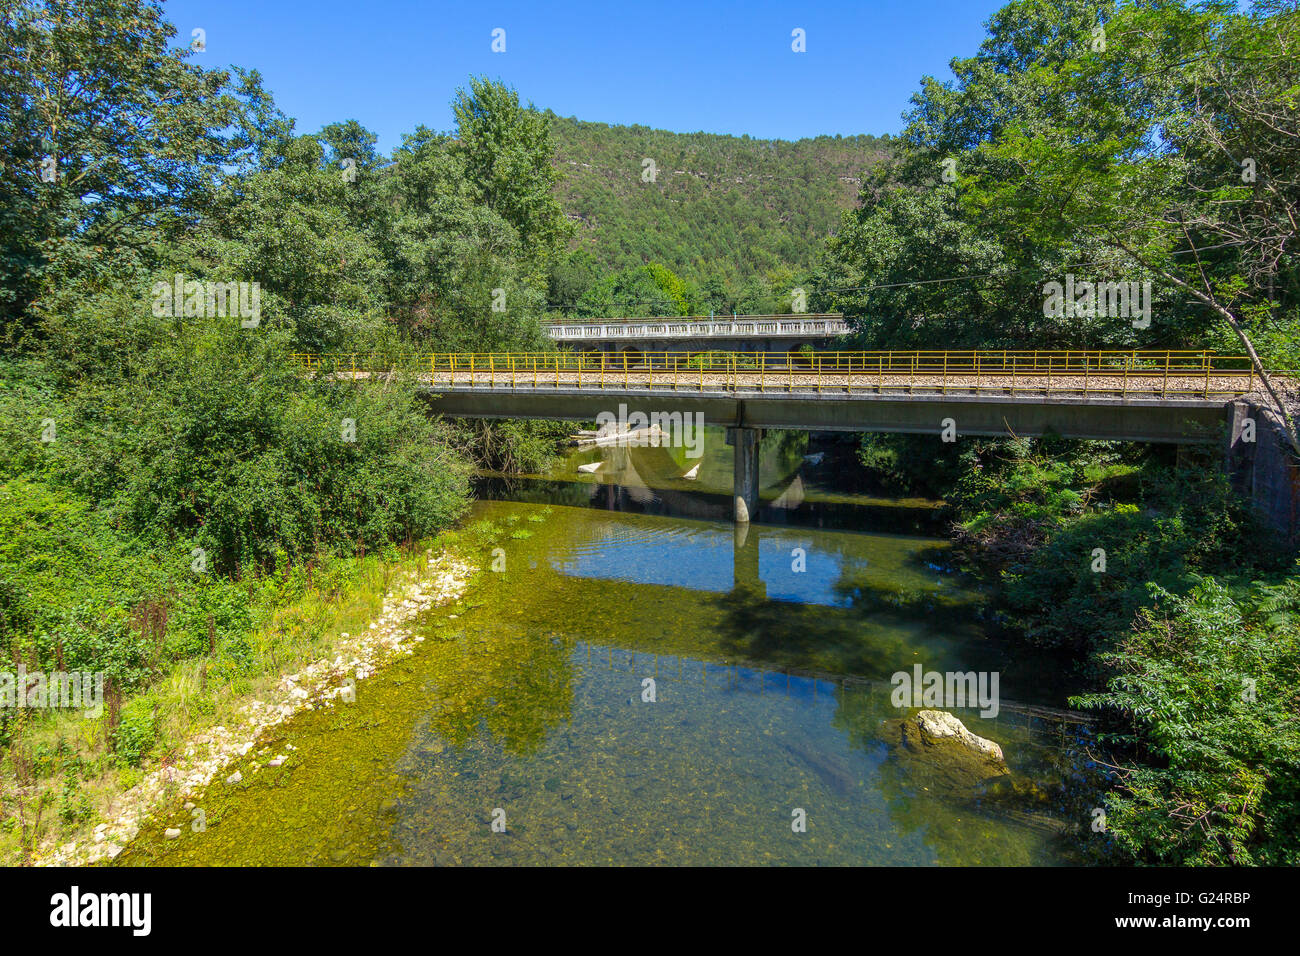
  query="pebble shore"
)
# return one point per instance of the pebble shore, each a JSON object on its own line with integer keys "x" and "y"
{"x": 210, "y": 752}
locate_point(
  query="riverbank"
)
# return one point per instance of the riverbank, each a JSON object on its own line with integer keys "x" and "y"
{"x": 310, "y": 654}
{"x": 528, "y": 704}
{"x": 1180, "y": 611}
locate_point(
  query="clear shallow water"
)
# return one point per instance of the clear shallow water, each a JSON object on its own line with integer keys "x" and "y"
{"x": 770, "y": 685}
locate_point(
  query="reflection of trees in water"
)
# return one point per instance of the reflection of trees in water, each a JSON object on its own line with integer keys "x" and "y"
{"x": 519, "y": 689}
{"x": 1016, "y": 820}
{"x": 662, "y": 466}
{"x": 834, "y": 640}
{"x": 524, "y": 688}
{"x": 783, "y": 505}
{"x": 780, "y": 455}
{"x": 534, "y": 491}
{"x": 880, "y": 617}
{"x": 650, "y": 480}
{"x": 872, "y": 637}
{"x": 508, "y": 682}
{"x": 877, "y": 630}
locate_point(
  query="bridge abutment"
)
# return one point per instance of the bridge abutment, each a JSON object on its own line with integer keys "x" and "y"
{"x": 1261, "y": 466}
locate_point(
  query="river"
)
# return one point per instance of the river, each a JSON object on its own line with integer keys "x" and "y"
{"x": 641, "y": 682}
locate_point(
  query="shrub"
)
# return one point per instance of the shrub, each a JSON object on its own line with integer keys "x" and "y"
{"x": 136, "y": 733}
{"x": 1212, "y": 695}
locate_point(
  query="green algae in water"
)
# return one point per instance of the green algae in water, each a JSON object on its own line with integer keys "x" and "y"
{"x": 530, "y": 702}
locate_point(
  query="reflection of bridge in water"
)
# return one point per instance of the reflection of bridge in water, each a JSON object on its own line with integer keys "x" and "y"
{"x": 648, "y": 480}
{"x": 1045, "y": 723}
{"x": 646, "y": 474}
{"x": 639, "y": 474}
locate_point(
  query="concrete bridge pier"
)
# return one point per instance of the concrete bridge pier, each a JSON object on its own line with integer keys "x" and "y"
{"x": 1261, "y": 466}
{"x": 744, "y": 485}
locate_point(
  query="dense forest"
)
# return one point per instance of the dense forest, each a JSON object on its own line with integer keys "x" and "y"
{"x": 166, "y": 463}
{"x": 740, "y": 221}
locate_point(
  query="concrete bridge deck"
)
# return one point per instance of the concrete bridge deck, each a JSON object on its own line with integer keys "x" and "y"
{"x": 1184, "y": 397}
{"x": 1102, "y": 417}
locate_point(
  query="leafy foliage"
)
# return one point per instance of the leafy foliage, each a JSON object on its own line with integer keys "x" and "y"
{"x": 1210, "y": 689}
{"x": 1049, "y": 523}
{"x": 113, "y": 144}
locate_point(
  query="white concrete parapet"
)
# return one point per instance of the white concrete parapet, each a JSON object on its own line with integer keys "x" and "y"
{"x": 742, "y": 326}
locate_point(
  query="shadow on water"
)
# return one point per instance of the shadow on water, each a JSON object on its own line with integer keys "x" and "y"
{"x": 797, "y": 488}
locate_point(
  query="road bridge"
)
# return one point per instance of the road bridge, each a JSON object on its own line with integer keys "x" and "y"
{"x": 735, "y": 333}
{"x": 1151, "y": 396}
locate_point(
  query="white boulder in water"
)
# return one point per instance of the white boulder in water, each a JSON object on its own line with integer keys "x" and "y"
{"x": 938, "y": 724}
{"x": 940, "y": 755}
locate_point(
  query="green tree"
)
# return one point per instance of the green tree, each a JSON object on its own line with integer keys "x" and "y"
{"x": 1212, "y": 691}
{"x": 1173, "y": 147}
{"x": 506, "y": 150}
{"x": 456, "y": 272}
{"x": 918, "y": 265}
{"x": 111, "y": 144}
{"x": 290, "y": 227}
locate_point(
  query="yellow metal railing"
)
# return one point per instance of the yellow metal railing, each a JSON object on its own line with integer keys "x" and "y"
{"x": 1165, "y": 373}
{"x": 677, "y": 319}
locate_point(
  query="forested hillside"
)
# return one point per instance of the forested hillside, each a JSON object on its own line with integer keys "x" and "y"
{"x": 739, "y": 217}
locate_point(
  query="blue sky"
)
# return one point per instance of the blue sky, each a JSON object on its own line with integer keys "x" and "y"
{"x": 681, "y": 66}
